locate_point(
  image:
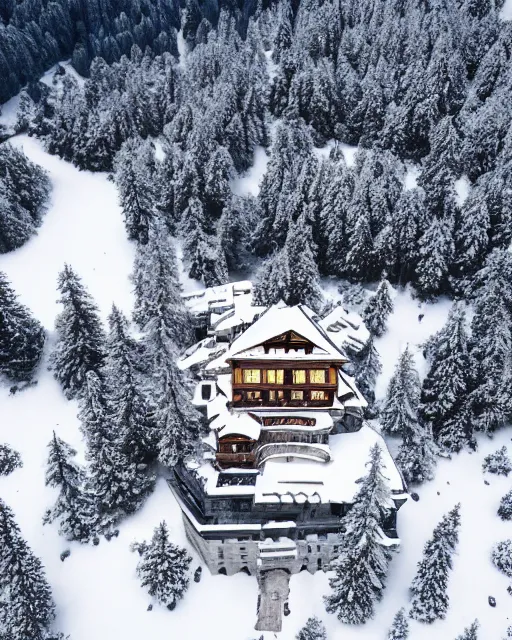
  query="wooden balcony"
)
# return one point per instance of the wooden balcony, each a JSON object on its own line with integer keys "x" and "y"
{"x": 241, "y": 459}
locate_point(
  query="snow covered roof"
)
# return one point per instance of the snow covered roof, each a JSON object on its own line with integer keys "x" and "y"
{"x": 348, "y": 390}
{"x": 278, "y": 320}
{"x": 345, "y": 327}
{"x": 334, "y": 481}
{"x": 240, "y": 424}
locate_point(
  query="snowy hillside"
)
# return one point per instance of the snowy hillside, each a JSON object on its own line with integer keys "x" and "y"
{"x": 96, "y": 591}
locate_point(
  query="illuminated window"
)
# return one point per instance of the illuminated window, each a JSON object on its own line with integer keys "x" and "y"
{"x": 253, "y": 395}
{"x": 318, "y": 395}
{"x": 297, "y": 395}
{"x": 317, "y": 376}
{"x": 252, "y": 376}
{"x": 275, "y": 376}
{"x": 238, "y": 376}
{"x": 272, "y": 395}
{"x": 299, "y": 376}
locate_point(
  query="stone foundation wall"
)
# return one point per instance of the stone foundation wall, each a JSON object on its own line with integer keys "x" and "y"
{"x": 231, "y": 555}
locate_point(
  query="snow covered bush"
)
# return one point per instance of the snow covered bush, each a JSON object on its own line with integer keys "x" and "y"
{"x": 502, "y": 557}
{"x": 400, "y": 627}
{"x": 9, "y": 460}
{"x": 163, "y": 568}
{"x": 498, "y": 462}
{"x": 314, "y": 629}
{"x": 505, "y": 508}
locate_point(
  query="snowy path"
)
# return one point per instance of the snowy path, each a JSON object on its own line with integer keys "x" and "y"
{"x": 97, "y": 593}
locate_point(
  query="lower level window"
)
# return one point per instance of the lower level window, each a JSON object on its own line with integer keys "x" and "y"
{"x": 297, "y": 395}
{"x": 253, "y": 395}
{"x": 318, "y": 395}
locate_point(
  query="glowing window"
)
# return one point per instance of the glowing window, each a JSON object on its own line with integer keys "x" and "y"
{"x": 253, "y": 395}
{"x": 252, "y": 376}
{"x": 299, "y": 376}
{"x": 317, "y": 376}
{"x": 318, "y": 395}
{"x": 275, "y": 376}
{"x": 297, "y": 395}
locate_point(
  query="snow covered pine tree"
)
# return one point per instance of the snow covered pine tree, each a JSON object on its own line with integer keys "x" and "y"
{"x": 502, "y": 557}
{"x": 28, "y": 609}
{"x": 498, "y": 462}
{"x": 429, "y": 597}
{"x": 376, "y": 312}
{"x": 75, "y": 508}
{"x": 505, "y": 508}
{"x": 400, "y": 627}
{"x": 80, "y": 345}
{"x": 9, "y": 460}
{"x": 21, "y": 336}
{"x": 360, "y": 570}
{"x": 163, "y": 568}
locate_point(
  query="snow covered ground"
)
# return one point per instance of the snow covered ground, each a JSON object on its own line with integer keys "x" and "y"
{"x": 96, "y": 590}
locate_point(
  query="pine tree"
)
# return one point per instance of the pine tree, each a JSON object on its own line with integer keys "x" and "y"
{"x": 28, "y": 609}
{"x": 133, "y": 175}
{"x": 470, "y": 633}
{"x": 291, "y": 274}
{"x": 361, "y": 568}
{"x": 130, "y": 411}
{"x": 9, "y": 460}
{"x": 376, "y": 312}
{"x": 157, "y": 289}
{"x": 403, "y": 396}
{"x": 22, "y": 338}
{"x": 80, "y": 345}
{"x": 367, "y": 368}
{"x": 444, "y": 389}
{"x": 429, "y": 597}
{"x": 400, "y": 627}
{"x": 505, "y": 508}
{"x": 314, "y": 629}
{"x": 94, "y": 414}
{"x": 435, "y": 257}
{"x": 491, "y": 360}
{"x": 502, "y": 557}
{"x": 417, "y": 453}
{"x": 75, "y": 508}
{"x": 163, "y": 569}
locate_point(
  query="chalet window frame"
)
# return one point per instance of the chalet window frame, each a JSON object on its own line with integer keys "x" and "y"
{"x": 317, "y": 395}
{"x": 296, "y": 394}
{"x": 274, "y": 376}
{"x": 251, "y": 376}
{"x": 299, "y": 376}
{"x": 318, "y": 376}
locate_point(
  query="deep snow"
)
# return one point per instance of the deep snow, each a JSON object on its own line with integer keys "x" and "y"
{"x": 96, "y": 590}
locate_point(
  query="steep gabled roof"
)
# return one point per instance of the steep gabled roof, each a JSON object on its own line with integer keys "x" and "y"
{"x": 276, "y": 321}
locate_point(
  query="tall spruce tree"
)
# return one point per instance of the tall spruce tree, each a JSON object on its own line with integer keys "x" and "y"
{"x": 130, "y": 410}
{"x": 376, "y": 312}
{"x": 400, "y": 628}
{"x": 490, "y": 355}
{"x": 429, "y": 588}
{"x": 360, "y": 570}
{"x": 444, "y": 390}
{"x": 291, "y": 274}
{"x": 27, "y": 609}
{"x": 22, "y": 338}
{"x": 157, "y": 289}
{"x": 75, "y": 508}
{"x": 367, "y": 368}
{"x": 94, "y": 414}
{"x": 80, "y": 345}
{"x": 163, "y": 568}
